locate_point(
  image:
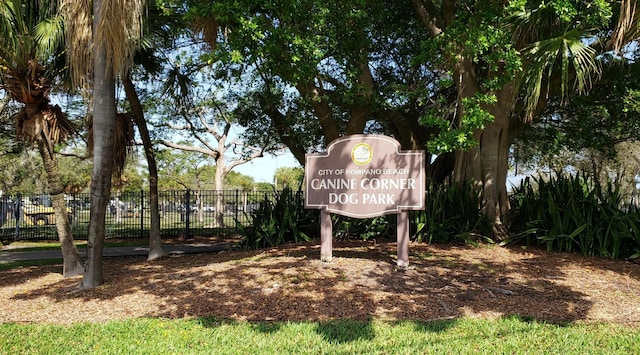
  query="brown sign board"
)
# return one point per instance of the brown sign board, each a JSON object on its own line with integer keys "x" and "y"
{"x": 365, "y": 176}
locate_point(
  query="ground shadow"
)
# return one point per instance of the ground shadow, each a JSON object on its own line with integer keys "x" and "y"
{"x": 290, "y": 283}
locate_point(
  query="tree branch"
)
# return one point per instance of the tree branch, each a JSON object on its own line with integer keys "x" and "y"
{"x": 429, "y": 16}
{"x": 214, "y": 153}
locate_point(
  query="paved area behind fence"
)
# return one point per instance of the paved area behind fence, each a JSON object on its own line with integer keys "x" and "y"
{"x": 7, "y": 256}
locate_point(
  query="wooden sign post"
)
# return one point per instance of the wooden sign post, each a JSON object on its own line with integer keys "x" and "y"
{"x": 365, "y": 176}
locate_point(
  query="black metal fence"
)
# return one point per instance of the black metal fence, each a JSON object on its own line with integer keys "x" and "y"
{"x": 183, "y": 213}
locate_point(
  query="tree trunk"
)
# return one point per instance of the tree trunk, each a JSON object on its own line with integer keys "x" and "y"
{"x": 486, "y": 165}
{"x": 156, "y": 251}
{"x": 104, "y": 119}
{"x": 321, "y": 110}
{"x": 361, "y": 110}
{"x": 72, "y": 262}
{"x": 219, "y": 183}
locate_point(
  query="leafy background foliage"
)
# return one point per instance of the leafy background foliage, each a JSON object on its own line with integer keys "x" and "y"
{"x": 566, "y": 213}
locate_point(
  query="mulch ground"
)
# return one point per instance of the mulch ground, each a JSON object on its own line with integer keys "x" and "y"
{"x": 290, "y": 283}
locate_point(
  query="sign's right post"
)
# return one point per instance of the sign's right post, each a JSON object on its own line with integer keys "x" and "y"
{"x": 403, "y": 238}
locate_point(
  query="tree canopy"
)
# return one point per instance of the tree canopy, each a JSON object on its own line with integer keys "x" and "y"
{"x": 471, "y": 82}
{"x": 458, "y": 77}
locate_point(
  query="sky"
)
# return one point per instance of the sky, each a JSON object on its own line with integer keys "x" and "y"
{"x": 263, "y": 169}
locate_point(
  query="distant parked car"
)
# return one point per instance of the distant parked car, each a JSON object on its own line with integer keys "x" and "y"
{"x": 208, "y": 208}
{"x": 40, "y": 211}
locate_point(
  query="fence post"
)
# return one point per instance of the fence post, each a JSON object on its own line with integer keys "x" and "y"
{"x": 18, "y": 215}
{"x": 187, "y": 210}
{"x": 141, "y": 213}
{"x": 236, "y": 208}
{"x": 75, "y": 208}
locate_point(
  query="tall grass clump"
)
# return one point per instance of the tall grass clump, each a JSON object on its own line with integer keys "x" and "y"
{"x": 576, "y": 213}
{"x": 280, "y": 220}
{"x": 453, "y": 212}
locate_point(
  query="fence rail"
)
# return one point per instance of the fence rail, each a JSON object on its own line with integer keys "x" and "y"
{"x": 182, "y": 213}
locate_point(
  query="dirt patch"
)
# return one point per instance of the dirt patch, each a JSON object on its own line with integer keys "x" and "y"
{"x": 290, "y": 283}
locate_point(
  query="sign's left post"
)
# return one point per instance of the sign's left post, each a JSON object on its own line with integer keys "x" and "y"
{"x": 326, "y": 236}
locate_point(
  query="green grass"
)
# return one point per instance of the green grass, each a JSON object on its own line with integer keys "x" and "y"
{"x": 36, "y": 246}
{"x": 46, "y": 245}
{"x": 213, "y": 336}
{"x": 27, "y": 263}
{"x": 52, "y": 245}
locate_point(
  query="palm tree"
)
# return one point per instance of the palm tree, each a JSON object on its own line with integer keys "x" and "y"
{"x": 27, "y": 40}
{"x": 101, "y": 41}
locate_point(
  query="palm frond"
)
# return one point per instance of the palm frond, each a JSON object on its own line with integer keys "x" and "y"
{"x": 43, "y": 123}
{"x": 627, "y": 28}
{"x": 565, "y": 57}
{"x": 529, "y": 25}
{"x": 49, "y": 34}
{"x": 28, "y": 85}
{"x": 123, "y": 142}
{"x": 118, "y": 31}
{"x": 15, "y": 41}
{"x": 179, "y": 85}
{"x": 209, "y": 27}
{"x": 78, "y": 32}
{"x": 28, "y": 41}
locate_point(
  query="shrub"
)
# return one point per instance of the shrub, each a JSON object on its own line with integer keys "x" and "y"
{"x": 576, "y": 213}
{"x": 364, "y": 228}
{"x": 453, "y": 212}
{"x": 281, "y": 220}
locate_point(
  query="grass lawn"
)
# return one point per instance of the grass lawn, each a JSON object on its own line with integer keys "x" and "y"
{"x": 213, "y": 336}
{"x": 80, "y": 244}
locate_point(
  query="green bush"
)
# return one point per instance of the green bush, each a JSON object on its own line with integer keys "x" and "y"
{"x": 453, "y": 212}
{"x": 284, "y": 219}
{"x": 576, "y": 213}
{"x": 281, "y": 220}
{"x": 364, "y": 228}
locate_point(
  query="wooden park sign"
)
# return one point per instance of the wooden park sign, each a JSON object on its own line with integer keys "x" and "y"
{"x": 365, "y": 176}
